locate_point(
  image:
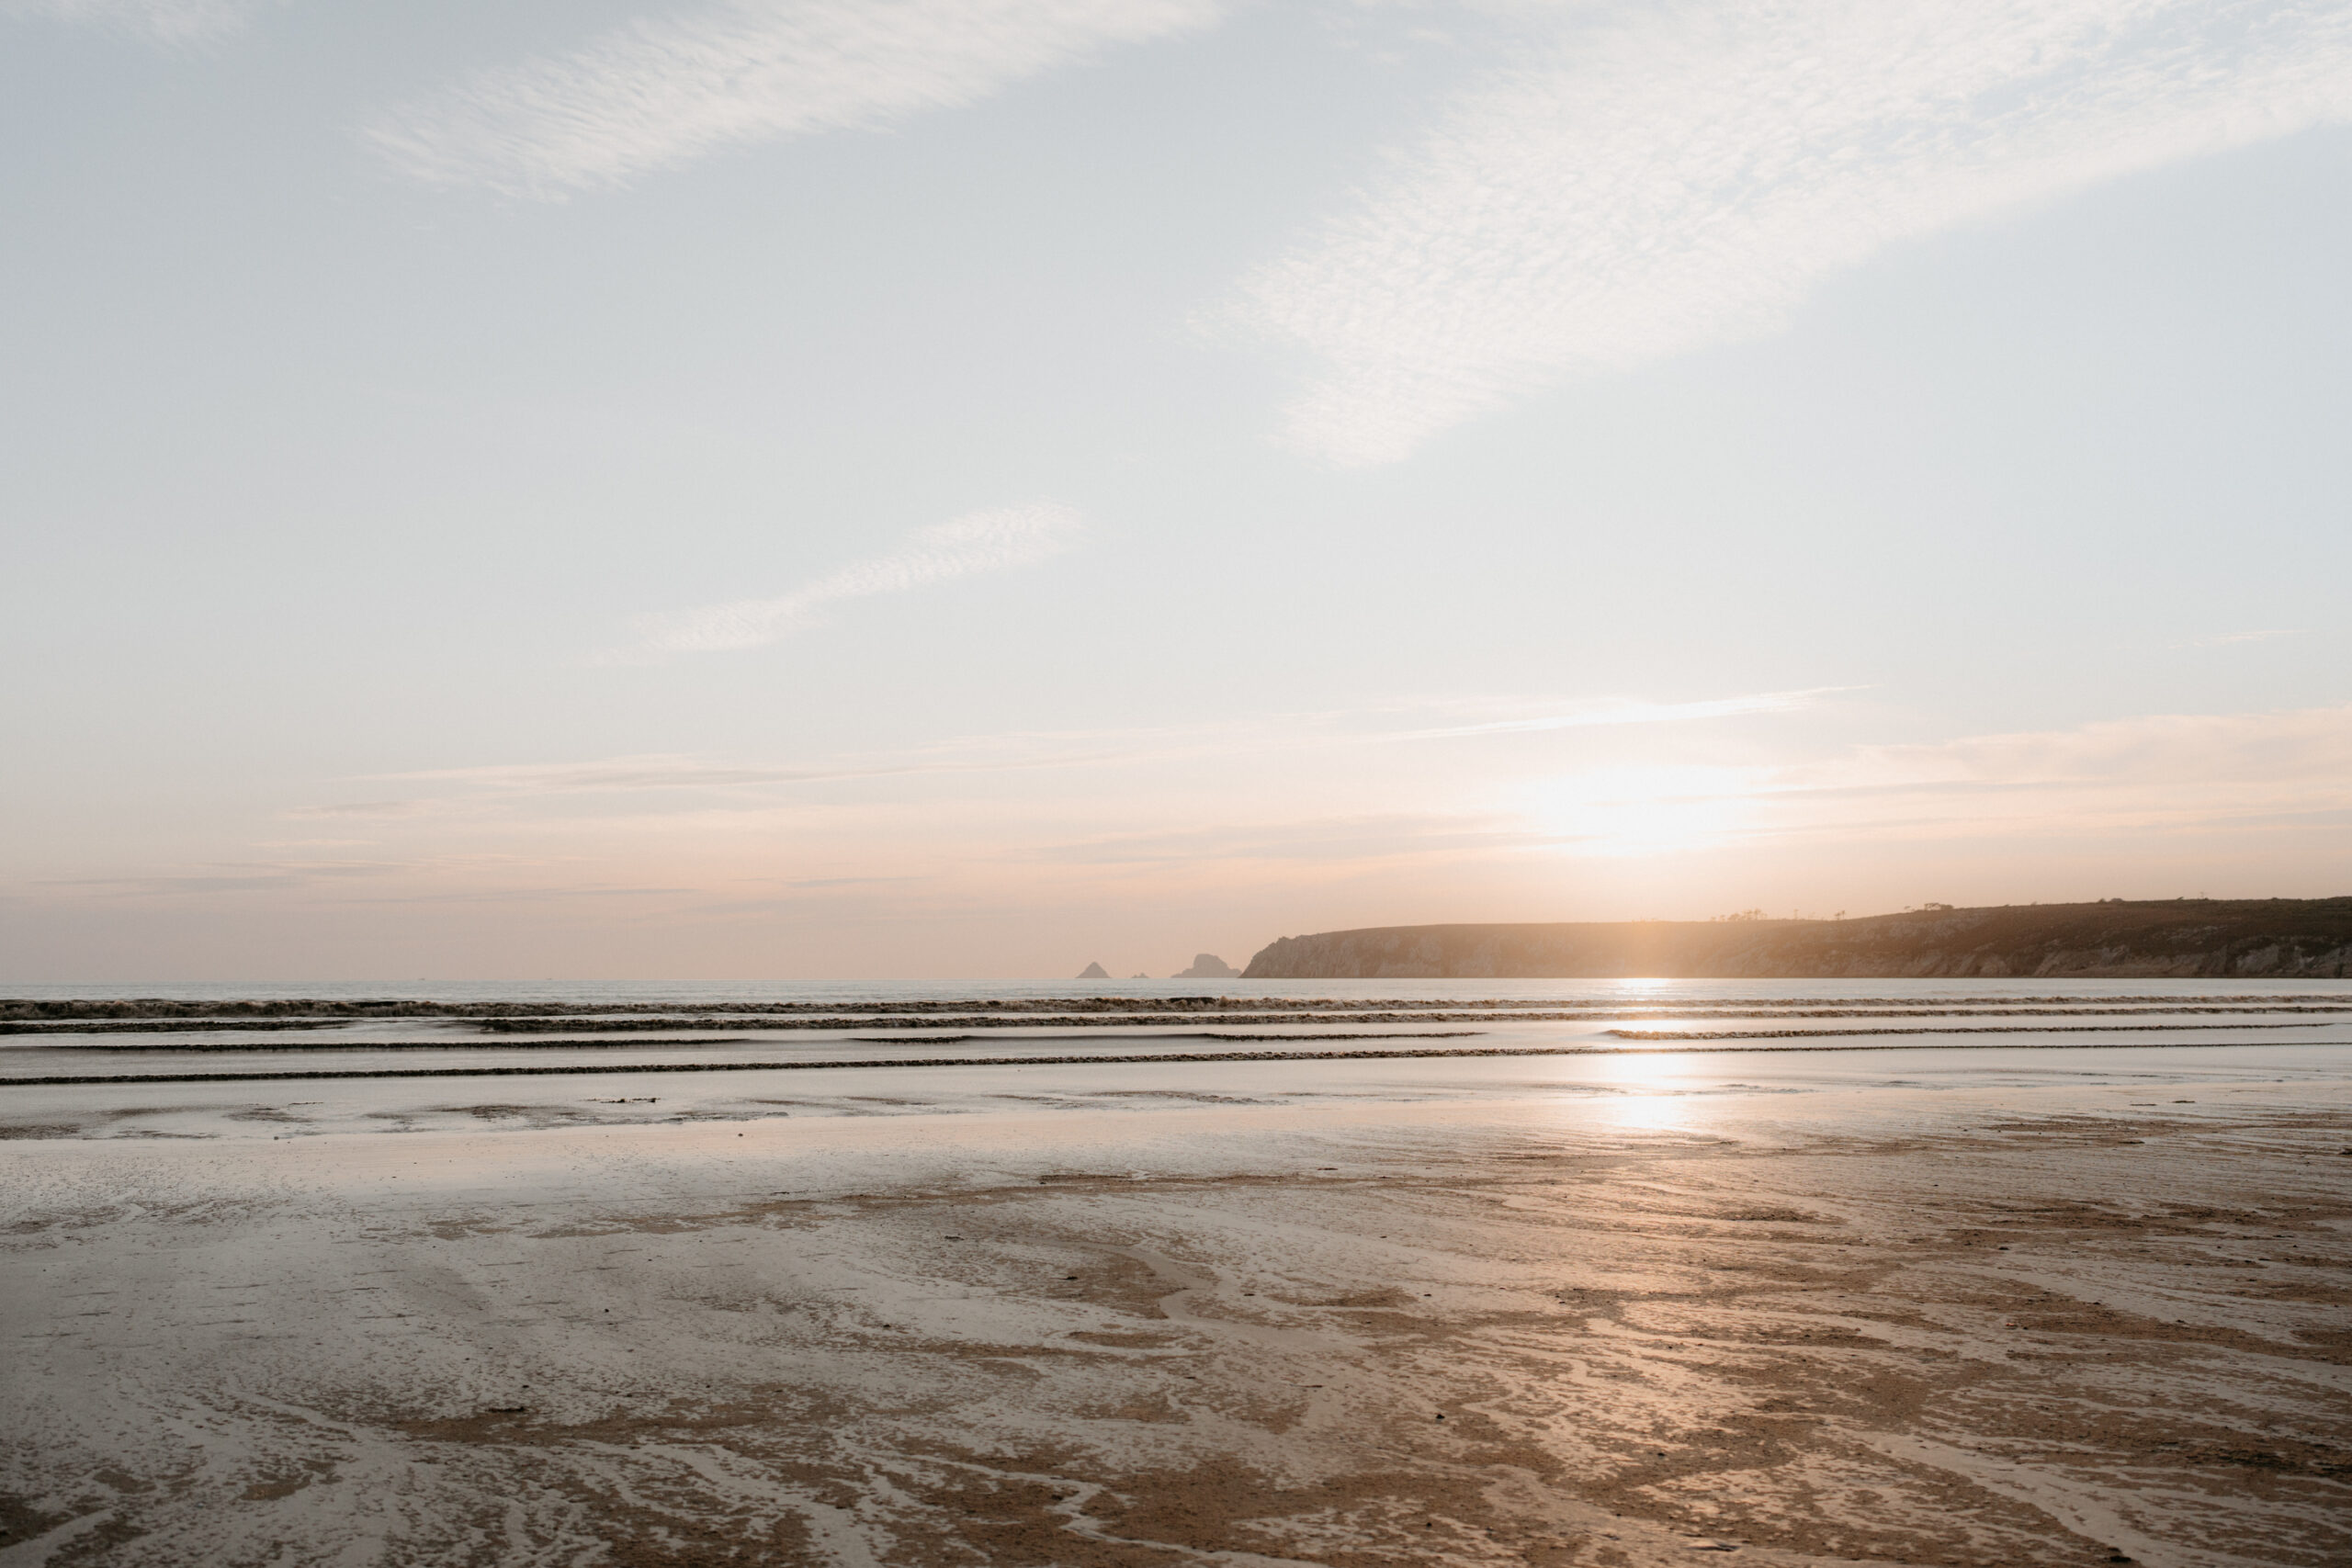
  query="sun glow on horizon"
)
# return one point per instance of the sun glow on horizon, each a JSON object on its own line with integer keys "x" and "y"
{"x": 1644, "y": 810}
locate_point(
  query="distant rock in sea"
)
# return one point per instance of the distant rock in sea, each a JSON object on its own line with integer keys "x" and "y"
{"x": 1209, "y": 966}
{"x": 1142, "y": 976}
{"x": 1094, "y": 972}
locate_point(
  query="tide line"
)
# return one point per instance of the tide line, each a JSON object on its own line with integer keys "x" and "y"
{"x": 1153, "y": 1057}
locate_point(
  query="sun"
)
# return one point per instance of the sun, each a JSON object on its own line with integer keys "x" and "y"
{"x": 1634, "y": 811}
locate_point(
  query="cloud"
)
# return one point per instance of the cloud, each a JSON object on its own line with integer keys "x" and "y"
{"x": 1018, "y": 750}
{"x": 1656, "y": 178}
{"x": 1324, "y": 839}
{"x": 2154, "y": 776}
{"x": 157, "y": 21}
{"x": 978, "y": 542}
{"x": 653, "y": 93}
{"x": 243, "y": 877}
{"x": 363, "y": 808}
{"x": 2224, "y": 639}
{"x": 1634, "y": 710}
{"x": 2289, "y": 750}
{"x": 621, "y": 775}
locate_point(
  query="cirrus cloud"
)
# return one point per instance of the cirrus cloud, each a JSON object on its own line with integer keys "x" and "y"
{"x": 978, "y": 542}
{"x": 1656, "y": 178}
{"x": 156, "y": 21}
{"x": 652, "y": 93}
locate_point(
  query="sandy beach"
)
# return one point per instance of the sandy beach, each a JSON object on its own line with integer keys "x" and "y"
{"x": 2070, "y": 1306}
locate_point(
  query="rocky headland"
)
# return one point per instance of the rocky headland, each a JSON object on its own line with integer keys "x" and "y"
{"x": 2188, "y": 938}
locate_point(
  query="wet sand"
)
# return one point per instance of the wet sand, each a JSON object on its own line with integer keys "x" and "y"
{"x": 1922, "y": 1313}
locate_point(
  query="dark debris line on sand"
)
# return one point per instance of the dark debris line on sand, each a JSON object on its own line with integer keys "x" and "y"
{"x": 24, "y": 1009}
{"x": 587, "y": 1070}
{"x": 1955, "y": 1029}
{"x": 1143, "y": 1027}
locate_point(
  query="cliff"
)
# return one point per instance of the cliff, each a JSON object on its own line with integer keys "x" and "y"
{"x": 2266, "y": 938}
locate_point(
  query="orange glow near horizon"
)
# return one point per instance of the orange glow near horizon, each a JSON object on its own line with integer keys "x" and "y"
{"x": 1634, "y": 811}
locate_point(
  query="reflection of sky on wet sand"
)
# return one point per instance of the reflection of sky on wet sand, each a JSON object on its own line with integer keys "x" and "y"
{"x": 1639, "y": 1054}
{"x": 1776, "y": 1315}
{"x": 1630, "y": 1088}
{"x": 1156, "y": 1270}
{"x": 1653, "y": 1090}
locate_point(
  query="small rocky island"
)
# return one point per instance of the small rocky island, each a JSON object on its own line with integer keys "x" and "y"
{"x": 1205, "y": 966}
{"x": 2188, "y": 938}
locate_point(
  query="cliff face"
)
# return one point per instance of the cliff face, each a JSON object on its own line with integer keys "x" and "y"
{"x": 2280, "y": 938}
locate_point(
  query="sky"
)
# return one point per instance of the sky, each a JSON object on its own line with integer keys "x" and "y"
{"x": 971, "y": 488}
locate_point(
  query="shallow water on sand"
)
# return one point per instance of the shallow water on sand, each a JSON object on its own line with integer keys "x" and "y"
{"x": 846, "y": 1052}
{"x": 1986, "y": 1299}
{"x": 686, "y": 992}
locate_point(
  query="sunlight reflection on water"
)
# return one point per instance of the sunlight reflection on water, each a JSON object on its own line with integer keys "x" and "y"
{"x": 1654, "y": 1090}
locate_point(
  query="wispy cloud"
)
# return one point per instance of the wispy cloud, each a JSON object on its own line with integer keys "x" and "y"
{"x": 2154, "y": 775}
{"x": 1326, "y": 839}
{"x": 980, "y": 541}
{"x": 1041, "y": 750}
{"x": 2292, "y": 751}
{"x": 1633, "y": 710}
{"x": 244, "y": 876}
{"x": 370, "y": 808}
{"x": 1658, "y": 178}
{"x": 659, "y": 92}
{"x": 610, "y": 775}
{"x": 157, "y": 21}
{"x": 2224, "y": 639}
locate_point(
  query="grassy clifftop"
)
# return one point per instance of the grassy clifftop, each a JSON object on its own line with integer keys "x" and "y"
{"x": 2256, "y": 938}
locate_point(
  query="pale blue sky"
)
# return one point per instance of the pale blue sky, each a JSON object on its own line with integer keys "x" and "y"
{"x": 968, "y": 488}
